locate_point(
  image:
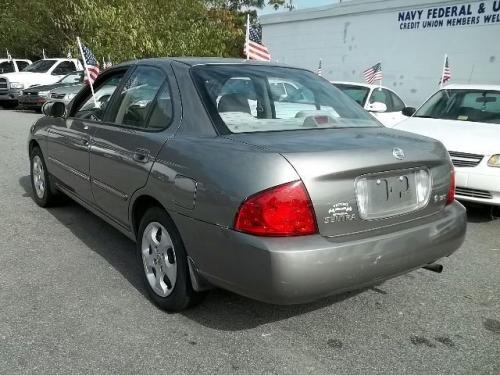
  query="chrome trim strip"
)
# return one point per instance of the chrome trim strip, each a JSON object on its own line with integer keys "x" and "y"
{"x": 110, "y": 189}
{"x": 70, "y": 169}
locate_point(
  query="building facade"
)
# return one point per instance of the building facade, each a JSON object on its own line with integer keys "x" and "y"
{"x": 409, "y": 38}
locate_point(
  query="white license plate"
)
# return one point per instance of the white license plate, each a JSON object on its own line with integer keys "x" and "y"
{"x": 392, "y": 193}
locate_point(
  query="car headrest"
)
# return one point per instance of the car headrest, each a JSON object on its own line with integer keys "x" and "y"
{"x": 233, "y": 103}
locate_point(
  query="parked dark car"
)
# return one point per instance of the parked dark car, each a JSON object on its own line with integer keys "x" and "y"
{"x": 34, "y": 97}
{"x": 217, "y": 190}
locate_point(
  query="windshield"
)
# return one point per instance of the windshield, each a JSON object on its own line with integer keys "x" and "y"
{"x": 463, "y": 105}
{"x": 253, "y": 98}
{"x": 358, "y": 93}
{"x": 6, "y": 67}
{"x": 41, "y": 66}
{"x": 72, "y": 78}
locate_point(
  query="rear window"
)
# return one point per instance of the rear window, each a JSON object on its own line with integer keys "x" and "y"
{"x": 254, "y": 98}
{"x": 358, "y": 93}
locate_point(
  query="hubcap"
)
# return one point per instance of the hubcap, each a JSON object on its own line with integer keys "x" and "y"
{"x": 38, "y": 177}
{"x": 158, "y": 257}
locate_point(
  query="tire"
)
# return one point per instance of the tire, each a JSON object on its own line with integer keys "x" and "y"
{"x": 163, "y": 262}
{"x": 43, "y": 193}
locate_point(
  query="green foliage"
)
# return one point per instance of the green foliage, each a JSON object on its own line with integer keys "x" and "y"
{"x": 124, "y": 29}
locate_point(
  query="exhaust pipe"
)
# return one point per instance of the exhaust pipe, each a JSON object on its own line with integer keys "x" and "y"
{"x": 434, "y": 267}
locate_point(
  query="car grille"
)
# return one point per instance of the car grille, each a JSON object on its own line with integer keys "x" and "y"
{"x": 3, "y": 84}
{"x": 462, "y": 159}
{"x": 30, "y": 93}
{"x": 473, "y": 193}
{"x": 57, "y": 96}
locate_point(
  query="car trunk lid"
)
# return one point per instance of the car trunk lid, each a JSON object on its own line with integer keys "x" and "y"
{"x": 361, "y": 179}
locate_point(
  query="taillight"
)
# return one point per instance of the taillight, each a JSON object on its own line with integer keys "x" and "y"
{"x": 451, "y": 190}
{"x": 284, "y": 210}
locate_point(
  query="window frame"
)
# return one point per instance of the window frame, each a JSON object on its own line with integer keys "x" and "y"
{"x": 58, "y": 66}
{"x": 86, "y": 93}
{"x": 107, "y": 121}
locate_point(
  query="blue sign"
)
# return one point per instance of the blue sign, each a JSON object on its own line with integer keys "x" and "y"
{"x": 469, "y": 14}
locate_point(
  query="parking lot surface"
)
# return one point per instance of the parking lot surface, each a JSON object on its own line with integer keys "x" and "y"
{"x": 72, "y": 301}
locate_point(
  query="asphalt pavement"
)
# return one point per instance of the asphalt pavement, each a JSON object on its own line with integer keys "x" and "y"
{"x": 71, "y": 301}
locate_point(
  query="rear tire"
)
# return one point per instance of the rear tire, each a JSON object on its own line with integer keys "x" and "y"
{"x": 43, "y": 193}
{"x": 163, "y": 261}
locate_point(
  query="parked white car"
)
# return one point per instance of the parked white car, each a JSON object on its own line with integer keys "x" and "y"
{"x": 383, "y": 103}
{"x": 466, "y": 119}
{"x": 42, "y": 72}
{"x": 13, "y": 65}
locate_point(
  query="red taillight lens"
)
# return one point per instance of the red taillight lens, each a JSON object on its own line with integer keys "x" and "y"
{"x": 284, "y": 210}
{"x": 451, "y": 191}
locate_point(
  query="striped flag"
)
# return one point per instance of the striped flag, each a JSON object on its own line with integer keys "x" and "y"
{"x": 320, "y": 70}
{"x": 91, "y": 64}
{"x": 254, "y": 49}
{"x": 373, "y": 73}
{"x": 446, "y": 74}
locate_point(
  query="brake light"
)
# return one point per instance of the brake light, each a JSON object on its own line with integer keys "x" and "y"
{"x": 451, "y": 190}
{"x": 282, "y": 211}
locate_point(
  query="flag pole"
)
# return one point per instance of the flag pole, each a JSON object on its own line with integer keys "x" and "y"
{"x": 247, "y": 36}
{"x": 87, "y": 70}
{"x": 442, "y": 71}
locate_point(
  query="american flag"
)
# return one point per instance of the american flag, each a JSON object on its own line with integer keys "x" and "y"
{"x": 446, "y": 76}
{"x": 254, "y": 49}
{"x": 320, "y": 71}
{"x": 91, "y": 64}
{"x": 373, "y": 73}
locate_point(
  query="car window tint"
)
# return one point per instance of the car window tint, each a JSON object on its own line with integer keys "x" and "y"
{"x": 95, "y": 109}
{"x": 311, "y": 103}
{"x": 7, "y": 67}
{"x": 397, "y": 103}
{"x": 22, "y": 64}
{"x": 161, "y": 114}
{"x": 358, "y": 93}
{"x": 137, "y": 96}
{"x": 64, "y": 67}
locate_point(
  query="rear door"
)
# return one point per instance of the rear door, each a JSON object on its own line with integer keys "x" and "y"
{"x": 69, "y": 139}
{"x": 125, "y": 146}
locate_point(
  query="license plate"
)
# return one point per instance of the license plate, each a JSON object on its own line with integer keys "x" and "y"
{"x": 392, "y": 193}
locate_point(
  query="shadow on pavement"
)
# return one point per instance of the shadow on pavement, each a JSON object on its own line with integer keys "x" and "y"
{"x": 100, "y": 237}
{"x": 480, "y": 213}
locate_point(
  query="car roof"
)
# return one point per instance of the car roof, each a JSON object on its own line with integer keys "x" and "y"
{"x": 193, "y": 61}
{"x": 456, "y": 86}
{"x": 367, "y": 85}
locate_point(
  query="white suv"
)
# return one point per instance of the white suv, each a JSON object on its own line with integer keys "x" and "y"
{"x": 42, "y": 72}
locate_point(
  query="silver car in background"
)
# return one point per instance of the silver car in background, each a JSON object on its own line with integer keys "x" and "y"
{"x": 224, "y": 182}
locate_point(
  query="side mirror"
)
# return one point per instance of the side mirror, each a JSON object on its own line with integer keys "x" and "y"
{"x": 54, "y": 109}
{"x": 377, "y": 107}
{"x": 408, "y": 111}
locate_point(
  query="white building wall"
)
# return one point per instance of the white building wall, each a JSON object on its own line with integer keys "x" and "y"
{"x": 351, "y": 36}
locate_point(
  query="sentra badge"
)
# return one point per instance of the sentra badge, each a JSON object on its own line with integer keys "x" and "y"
{"x": 340, "y": 212}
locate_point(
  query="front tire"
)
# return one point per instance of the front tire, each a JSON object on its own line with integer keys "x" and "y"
{"x": 42, "y": 190}
{"x": 163, "y": 261}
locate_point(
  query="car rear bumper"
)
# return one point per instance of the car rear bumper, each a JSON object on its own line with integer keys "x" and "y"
{"x": 301, "y": 269}
{"x": 479, "y": 184}
{"x": 31, "y": 101}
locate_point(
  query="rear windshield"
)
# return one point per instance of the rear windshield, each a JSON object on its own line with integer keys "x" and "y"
{"x": 41, "y": 66}
{"x": 254, "y": 98}
{"x": 463, "y": 105}
{"x": 358, "y": 93}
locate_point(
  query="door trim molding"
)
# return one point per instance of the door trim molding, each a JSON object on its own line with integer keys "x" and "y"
{"x": 110, "y": 189}
{"x": 72, "y": 170}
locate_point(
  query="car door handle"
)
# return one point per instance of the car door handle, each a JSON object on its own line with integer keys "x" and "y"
{"x": 141, "y": 155}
